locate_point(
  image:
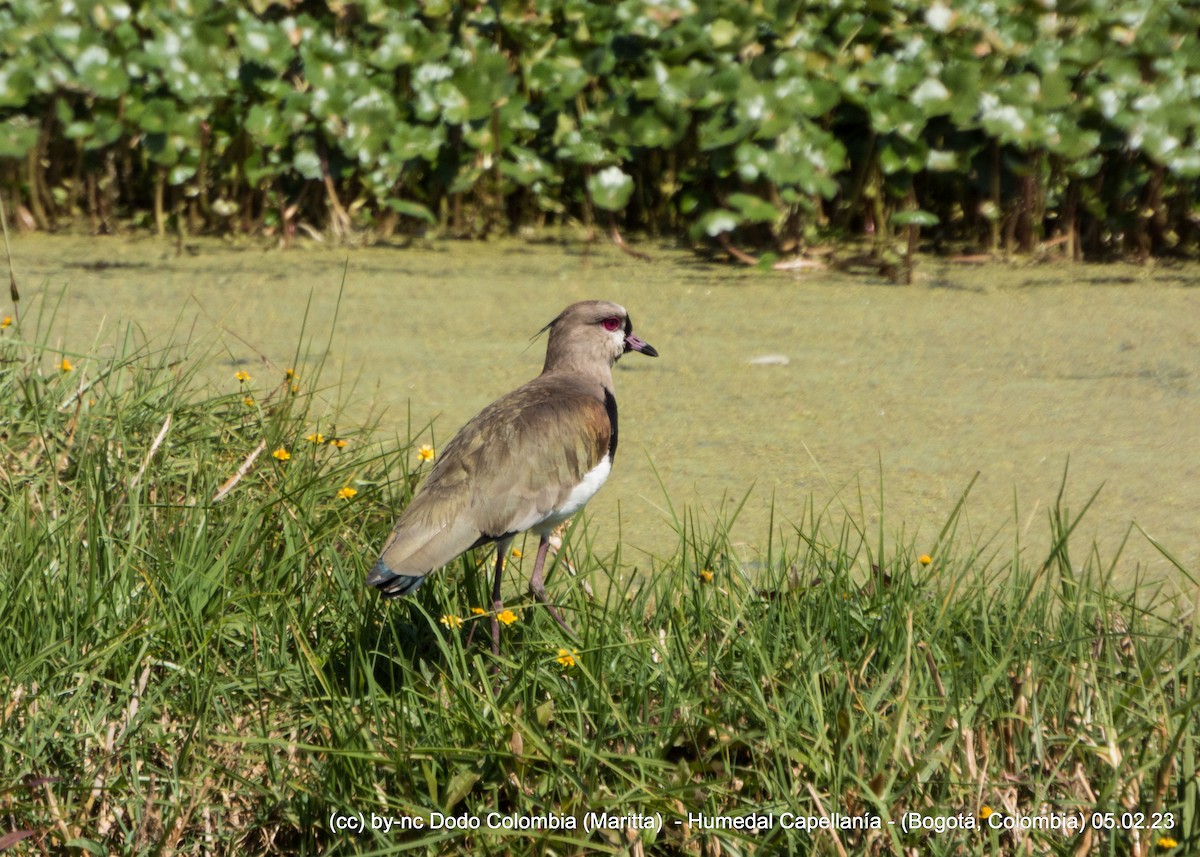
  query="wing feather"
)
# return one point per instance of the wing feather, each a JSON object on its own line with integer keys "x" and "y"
{"x": 506, "y": 470}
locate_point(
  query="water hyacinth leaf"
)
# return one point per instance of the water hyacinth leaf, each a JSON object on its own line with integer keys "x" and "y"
{"x": 559, "y": 78}
{"x": 931, "y": 96}
{"x": 156, "y": 115}
{"x": 483, "y": 83}
{"x": 898, "y": 155}
{"x": 689, "y": 201}
{"x": 583, "y": 148}
{"x": 723, "y": 34}
{"x": 367, "y": 122}
{"x": 964, "y": 80}
{"x": 517, "y": 122}
{"x": 406, "y": 43}
{"x": 752, "y": 208}
{"x": 102, "y": 130}
{"x": 161, "y": 149}
{"x": 891, "y": 114}
{"x": 610, "y": 188}
{"x": 17, "y": 82}
{"x": 410, "y": 142}
{"x": 717, "y": 132}
{"x": 766, "y": 262}
{"x": 263, "y": 43}
{"x": 1056, "y": 90}
{"x": 181, "y": 173}
{"x": 308, "y": 164}
{"x": 718, "y": 222}
{"x": 526, "y": 167}
{"x": 914, "y": 218}
{"x": 100, "y": 74}
{"x": 466, "y": 179}
{"x": 18, "y": 135}
{"x": 752, "y": 161}
{"x": 941, "y": 161}
{"x": 651, "y": 130}
{"x": 265, "y": 124}
{"x": 411, "y": 209}
{"x": 454, "y": 106}
{"x": 262, "y": 164}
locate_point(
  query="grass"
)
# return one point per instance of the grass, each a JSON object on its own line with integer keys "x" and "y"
{"x": 180, "y": 674}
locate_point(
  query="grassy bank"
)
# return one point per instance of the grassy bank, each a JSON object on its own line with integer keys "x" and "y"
{"x": 191, "y": 663}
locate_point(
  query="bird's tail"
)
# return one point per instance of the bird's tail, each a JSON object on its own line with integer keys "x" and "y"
{"x": 389, "y": 583}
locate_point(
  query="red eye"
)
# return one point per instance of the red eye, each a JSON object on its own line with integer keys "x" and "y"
{"x": 612, "y": 323}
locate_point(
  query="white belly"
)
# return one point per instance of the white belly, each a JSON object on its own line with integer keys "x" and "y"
{"x": 577, "y": 499}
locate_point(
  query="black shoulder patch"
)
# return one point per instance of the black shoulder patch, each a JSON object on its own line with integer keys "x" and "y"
{"x": 610, "y": 406}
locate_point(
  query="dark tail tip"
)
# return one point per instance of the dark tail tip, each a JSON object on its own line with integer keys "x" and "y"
{"x": 390, "y": 584}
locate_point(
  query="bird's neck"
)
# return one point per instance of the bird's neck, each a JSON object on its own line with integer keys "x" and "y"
{"x": 598, "y": 371}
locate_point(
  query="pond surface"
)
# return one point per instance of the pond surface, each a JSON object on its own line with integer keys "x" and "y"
{"x": 1004, "y": 371}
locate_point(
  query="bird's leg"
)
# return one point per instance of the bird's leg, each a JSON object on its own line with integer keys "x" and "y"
{"x": 497, "y": 604}
{"x": 538, "y": 589}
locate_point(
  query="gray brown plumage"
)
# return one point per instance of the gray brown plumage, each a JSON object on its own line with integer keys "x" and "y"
{"x": 528, "y": 461}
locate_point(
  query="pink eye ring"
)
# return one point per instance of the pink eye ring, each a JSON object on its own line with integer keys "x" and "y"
{"x": 612, "y": 323}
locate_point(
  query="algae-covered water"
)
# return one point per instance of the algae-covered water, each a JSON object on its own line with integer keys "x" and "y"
{"x": 1004, "y": 371}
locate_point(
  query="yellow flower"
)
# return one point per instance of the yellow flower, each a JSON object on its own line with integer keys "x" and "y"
{"x": 924, "y": 559}
{"x": 65, "y": 365}
{"x": 507, "y": 617}
{"x": 451, "y": 621}
{"x": 567, "y": 659}
{"x": 316, "y": 437}
{"x": 5, "y": 322}
{"x": 242, "y": 377}
{"x": 706, "y": 576}
{"x": 347, "y": 492}
{"x": 339, "y": 443}
{"x": 295, "y": 389}
{"x": 517, "y": 553}
{"x": 478, "y": 611}
{"x": 1166, "y": 842}
{"x": 290, "y": 374}
{"x": 248, "y": 401}
{"x": 282, "y": 454}
{"x": 426, "y": 453}
{"x": 985, "y": 811}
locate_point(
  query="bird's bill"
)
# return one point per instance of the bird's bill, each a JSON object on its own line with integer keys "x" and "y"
{"x": 632, "y": 343}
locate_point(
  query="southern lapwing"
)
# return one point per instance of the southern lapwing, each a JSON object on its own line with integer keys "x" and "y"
{"x": 528, "y": 461}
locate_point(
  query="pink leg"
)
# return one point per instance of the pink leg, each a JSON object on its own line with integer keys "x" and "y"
{"x": 538, "y": 589}
{"x": 497, "y": 604}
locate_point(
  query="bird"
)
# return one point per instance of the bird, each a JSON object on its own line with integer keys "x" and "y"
{"x": 526, "y": 463}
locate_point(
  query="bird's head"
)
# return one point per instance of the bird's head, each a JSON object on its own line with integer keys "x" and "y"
{"x": 592, "y": 333}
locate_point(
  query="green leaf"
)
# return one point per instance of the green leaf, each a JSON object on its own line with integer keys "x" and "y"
{"x": 723, "y": 33}
{"x": 411, "y": 209}
{"x": 914, "y": 218}
{"x": 752, "y": 208}
{"x": 100, "y": 72}
{"x": 483, "y": 83}
{"x": 308, "y": 164}
{"x": 718, "y": 221}
{"x": 610, "y": 189}
{"x": 18, "y": 135}
{"x": 459, "y": 787}
{"x": 526, "y": 167}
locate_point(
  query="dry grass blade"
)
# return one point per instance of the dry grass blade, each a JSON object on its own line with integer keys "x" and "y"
{"x": 158, "y": 439}
{"x": 233, "y": 480}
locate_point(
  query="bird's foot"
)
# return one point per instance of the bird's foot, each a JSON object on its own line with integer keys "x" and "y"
{"x": 539, "y": 593}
